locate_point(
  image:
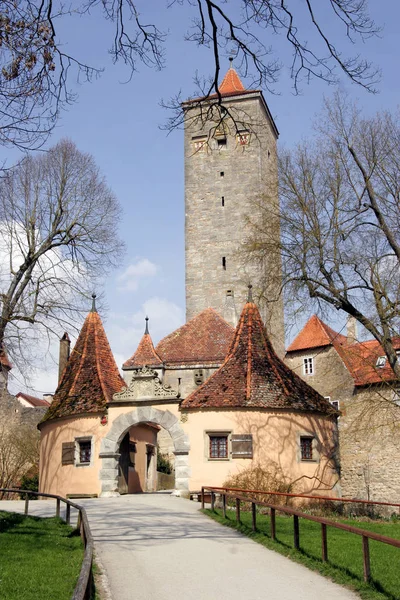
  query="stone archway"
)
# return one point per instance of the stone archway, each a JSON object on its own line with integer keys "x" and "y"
{"x": 110, "y": 445}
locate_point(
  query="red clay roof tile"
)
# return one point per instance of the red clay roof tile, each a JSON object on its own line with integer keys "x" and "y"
{"x": 91, "y": 376}
{"x": 204, "y": 339}
{"x": 231, "y": 83}
{"x": 359, "y": 358}
{"x": 314, "y": 334}
{"x": 145, "y": 355}
{"x": 32, "y": 399}
{"x": 253, "y": 376}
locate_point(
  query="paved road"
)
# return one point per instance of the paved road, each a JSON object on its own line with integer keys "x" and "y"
{"x": 159, "y": 547}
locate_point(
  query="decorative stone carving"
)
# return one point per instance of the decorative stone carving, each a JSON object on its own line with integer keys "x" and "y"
{"x": 145, "y": 384}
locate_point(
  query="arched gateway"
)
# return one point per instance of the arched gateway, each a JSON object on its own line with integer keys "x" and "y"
{"x": 109, "y": 450}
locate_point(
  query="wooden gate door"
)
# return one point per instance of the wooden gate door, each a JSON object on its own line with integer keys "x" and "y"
{"x": 123, "y": 465}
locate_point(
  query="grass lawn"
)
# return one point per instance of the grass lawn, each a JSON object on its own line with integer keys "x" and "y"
{"x": 39, "y": 558}
{"x": 345, "y": 557}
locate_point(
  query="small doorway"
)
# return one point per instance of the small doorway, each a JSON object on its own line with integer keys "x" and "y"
{"x": 123, "y": 466}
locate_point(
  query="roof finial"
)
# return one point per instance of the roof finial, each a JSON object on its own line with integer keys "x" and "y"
{"x": 231, "y": 61}
{"x": 94, "y": 302}
{"x": 250, "y": 295}
{"x": 147, "y": 325}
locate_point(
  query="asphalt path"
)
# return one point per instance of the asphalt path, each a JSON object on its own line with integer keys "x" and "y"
{"x": 160, "y": 547}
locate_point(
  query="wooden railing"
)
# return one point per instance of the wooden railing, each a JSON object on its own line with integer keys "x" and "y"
{"x": 232, "y": 493}
{"x": 84, "y": 588}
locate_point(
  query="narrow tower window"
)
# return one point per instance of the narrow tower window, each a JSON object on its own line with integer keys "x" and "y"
{"x": 221, "y": 173}
{"x": 223, "y": 200}
{"x": 224, "y": 263}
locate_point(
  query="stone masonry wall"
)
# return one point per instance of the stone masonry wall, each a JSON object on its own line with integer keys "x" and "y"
{"x": 224, "y": 186}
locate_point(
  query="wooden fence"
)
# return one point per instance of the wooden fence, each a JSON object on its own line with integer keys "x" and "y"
{"x": 233, "y": 494}
{"x": 84, "y": 589}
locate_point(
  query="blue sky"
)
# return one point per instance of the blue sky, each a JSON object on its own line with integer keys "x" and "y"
{"x": 119, "y": 124}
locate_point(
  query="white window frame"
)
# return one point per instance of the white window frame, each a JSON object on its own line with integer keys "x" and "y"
{"x": 307, "y": 362}
{"x": 335, "y": 403}
{"x": 85, "y": 438}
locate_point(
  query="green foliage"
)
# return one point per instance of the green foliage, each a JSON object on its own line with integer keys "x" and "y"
{"x": 345, "y": 561}
{"x": 163, "y": 463}
{"x": 40, "y": 558}
{"x": 30, "y": 482}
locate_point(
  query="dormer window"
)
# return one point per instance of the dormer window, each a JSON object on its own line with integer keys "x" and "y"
{"x": 381, "y": 361}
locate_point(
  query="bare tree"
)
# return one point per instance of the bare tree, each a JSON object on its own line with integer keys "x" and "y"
{"x": 58, "y": 234}
{"x": 340, "y": 220}
{"x": 35, "y": 69}
{"x": 19, "y": 451}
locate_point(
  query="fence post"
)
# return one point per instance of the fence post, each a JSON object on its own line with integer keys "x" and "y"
{"x": 58, "y": 504}
{"x": 26, "y": 504}
{"x": 296, "y": 532}
{"x": 324, "y": 543}
{"x": 273, "y": 524}
{"x": 367, "y": 565}
{"x": 224, "y": 505}
{"x": 202, "y": 498}
{"x": 238, "y": 510}
{"x": 68, "y": 514}
{"x": 254, "y": 516}
{"x": 212, "y": 501}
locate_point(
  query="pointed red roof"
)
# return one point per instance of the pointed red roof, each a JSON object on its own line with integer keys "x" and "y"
{"x": 314, "y": 334}
{"x": 204, "y": 339}
{"x": 231, "y": 83}
{"x": 145, "y": 355}
{"x": 91, "y": 376}
{"x": 253, "y": 375}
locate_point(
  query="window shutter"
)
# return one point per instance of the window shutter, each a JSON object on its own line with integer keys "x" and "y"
{"x": 68, "y": 453}
{"x": 242, "y": 445}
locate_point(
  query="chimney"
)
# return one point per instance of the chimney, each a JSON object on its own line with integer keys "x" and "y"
{"x": 351, "y": 330}
{"x": 65, "y": 344}
{"x": 230, "y": 313}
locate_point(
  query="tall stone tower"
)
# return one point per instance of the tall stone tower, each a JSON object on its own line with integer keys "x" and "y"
{"x": 231, "y": 180}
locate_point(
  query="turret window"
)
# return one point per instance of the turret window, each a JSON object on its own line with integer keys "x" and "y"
{"x": 224, "y": 263}
{"x": 223, "y": 201}
{"x": 308, "y": 366}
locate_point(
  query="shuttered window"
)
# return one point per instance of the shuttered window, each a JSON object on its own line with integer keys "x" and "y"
{"x": 242, "y": 445}
{"x": 68, "y": 453}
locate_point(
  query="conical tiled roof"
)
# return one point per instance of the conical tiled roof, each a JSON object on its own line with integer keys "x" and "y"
{"x": 231, "y": 83}
{"x": 314, "y": 334}
{"x": 204, "y": 339}
{"x": 91, "y": 376}
{"x": 145, "y": 355}
{"x": 253, "y": 376}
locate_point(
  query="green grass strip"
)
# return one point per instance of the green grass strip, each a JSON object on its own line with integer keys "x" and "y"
{"x": 345, "y": 557}
{"x": 39, "y": 558}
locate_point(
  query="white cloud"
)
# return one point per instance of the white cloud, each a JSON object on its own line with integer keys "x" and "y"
{"x": 130, "y": 279}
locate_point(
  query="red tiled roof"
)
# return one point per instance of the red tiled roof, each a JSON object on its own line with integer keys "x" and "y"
{"x": 314, "y": 334}
{"x": 253, "y": 376}
{"x": 204, "y": 339}
{"x": 145, "y": 355}
{"x": 4, "y": 362}
{"x": 231, "y": 83}
{"x": 32, "y": 399}
{"x": 359, "y": 358}
{"x": 91, "y": 376}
